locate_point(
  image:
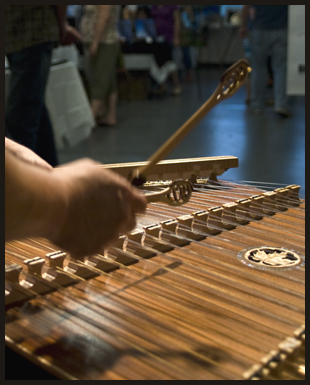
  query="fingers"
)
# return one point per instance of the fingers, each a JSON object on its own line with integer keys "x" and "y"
{"x": 131, "y": 202}
{"x": 102, "y": 205}
{"x": 139, "y": 201}
{"x": 78, "y": 164}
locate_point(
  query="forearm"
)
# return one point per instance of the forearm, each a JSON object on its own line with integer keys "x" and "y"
{"x": 61, "y": 15}
{"x": 81, "y": 208}
{"x": 245, "y": 15}
{"x": 30, "y": 199}
{"x": 25, "y": 154}
{"x": 177, "y": 24}
{"x": 67, "y": 34}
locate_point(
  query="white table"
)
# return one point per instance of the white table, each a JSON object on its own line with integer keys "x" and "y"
{"x": 138, "y": 61}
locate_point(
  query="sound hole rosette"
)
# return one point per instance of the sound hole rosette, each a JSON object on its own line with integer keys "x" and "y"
{"x": 271, "y": 258}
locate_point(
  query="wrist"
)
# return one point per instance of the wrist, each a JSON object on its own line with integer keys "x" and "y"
{"x": 53, "y": 207}
{"x": 46, "y": 203}
{"x": 31, "y": 200}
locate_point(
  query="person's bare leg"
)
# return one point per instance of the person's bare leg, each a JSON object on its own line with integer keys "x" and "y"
{"x": 176, "y": 83}
{"x": 162, "y": 88}
{"x": 98, "y": 109}
{"x": 110, "y": 117}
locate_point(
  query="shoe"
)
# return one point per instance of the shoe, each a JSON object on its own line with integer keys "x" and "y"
{"x": 257, "y": 111}
{"x": 283, "y": 112}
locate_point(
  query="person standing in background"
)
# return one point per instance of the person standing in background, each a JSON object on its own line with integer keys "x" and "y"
{"x": 187, "y": 32}
{"x": 168, "y": 25}
{"x": 268, "y": 37}
{"x": 99, "y": 28}
{"x": 129, "y": 11}
{"x": 31, "y": 33}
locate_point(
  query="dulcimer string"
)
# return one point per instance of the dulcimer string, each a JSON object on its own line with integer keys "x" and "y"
{"x": 280, "y": 207}
{"x": 213, "y": 193}
{"x": 102, "y": 329}
{"x": 259, "y": 184}
{"x": 196, "y": 199}
{"x": 163, "y": 254}
{"x": 240, "y": 242}
{"x": 290, "y": 238}
{"x": 176, "y": 287}
{"x": 211, "y": 215}
{"x": 214, "y": 247}
{"x": 223, "y": 230}
{"x": 274, "y": 222}
{"x": 161, "y": 299}
{"x": 109, "y": 278}
{"x": 256, "y": 325}
{"x": 209, "y": 260}
{"x": 142, "y": 278}
{"x": 197, "y": 270}
{"x": 218, "y": 187}
{"x": 249, "y": 341}
{"x": 243, "y": 187}
{"x": 226, "y": 191}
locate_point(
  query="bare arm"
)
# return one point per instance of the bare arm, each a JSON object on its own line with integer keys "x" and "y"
{"x": 81, "y": 208}
{"x": 245, "y": 17}
{"x": 61, "y": 15}
{"x": 177, "y": 27}
{"x": 25, "y": 154}
{"x": 68, "y": 34}
{"x": 28, "y": 198}
{"x": 100, "y": 24}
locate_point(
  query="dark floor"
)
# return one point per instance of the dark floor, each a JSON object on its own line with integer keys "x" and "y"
{"x": 269, "y": 148}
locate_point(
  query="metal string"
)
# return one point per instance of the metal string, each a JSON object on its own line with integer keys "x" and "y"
{"x": 95, "y": 324}
{"x": 197, "y": 221}
{"x": 143, "y": 291}
{"x": 50, "y": 303}
{"x": 162, "y": 267}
